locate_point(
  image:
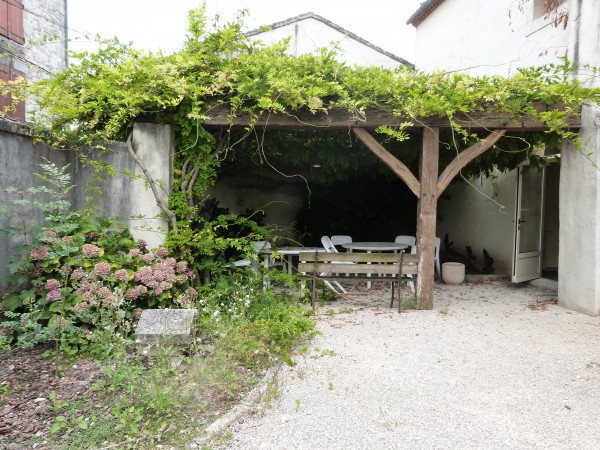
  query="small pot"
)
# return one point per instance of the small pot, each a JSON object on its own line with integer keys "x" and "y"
{"x": 453, "y": 273}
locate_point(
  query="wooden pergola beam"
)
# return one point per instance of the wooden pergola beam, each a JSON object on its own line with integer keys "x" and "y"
{"x": 465, "y": 157}
{"x": 339, "y": 118}
{"x": 397, "y": 166}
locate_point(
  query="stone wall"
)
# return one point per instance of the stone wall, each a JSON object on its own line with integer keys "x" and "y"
{"x": 44, "y": 51}
{"x": 45, "y": 36}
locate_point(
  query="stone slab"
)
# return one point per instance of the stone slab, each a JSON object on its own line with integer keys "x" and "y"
{"x": 166, "y": 327}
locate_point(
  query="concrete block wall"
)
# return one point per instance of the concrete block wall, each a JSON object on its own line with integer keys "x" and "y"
{"x": 121, "y": 195}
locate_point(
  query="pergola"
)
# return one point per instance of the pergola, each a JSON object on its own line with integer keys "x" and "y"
{"x": 429, "y": 184}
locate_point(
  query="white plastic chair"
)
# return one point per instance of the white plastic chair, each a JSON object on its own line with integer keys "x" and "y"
{"x": 330, "y": 248}
{"x": 340, "y": 239}
{"x": 412, "y": 242}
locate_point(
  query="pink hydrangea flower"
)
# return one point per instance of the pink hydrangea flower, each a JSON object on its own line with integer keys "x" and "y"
{"x": 50, "y": 234}
{"x": 148, "y": 258}
{"x": 90, "y": 250}
{"x": 181, "y": 267}
{"x": 78, "y": 274}
{"x": 134, "y": 252}
{"x": 102, "y": 268}
{"x": 52, "y": 284}
{"x": 122, "y": 275}
{"x": 162, "y": 252}
{"x": 80, "y": 306}
{"x": 38, "y": 254}
{"x": 53, "y": 296}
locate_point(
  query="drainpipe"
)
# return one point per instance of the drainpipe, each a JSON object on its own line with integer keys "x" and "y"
{"x": 66, "y": 25}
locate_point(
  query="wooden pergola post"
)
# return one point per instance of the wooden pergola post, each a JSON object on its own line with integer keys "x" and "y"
{"x": 427, "y": 215}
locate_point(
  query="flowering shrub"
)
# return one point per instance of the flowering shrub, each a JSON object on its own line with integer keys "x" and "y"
{"x": 80, "y": 273}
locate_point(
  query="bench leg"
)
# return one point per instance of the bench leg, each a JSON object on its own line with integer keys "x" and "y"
{"x": 314, "y": 293}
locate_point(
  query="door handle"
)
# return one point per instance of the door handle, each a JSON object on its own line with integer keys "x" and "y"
{"x": 521, "y": 221}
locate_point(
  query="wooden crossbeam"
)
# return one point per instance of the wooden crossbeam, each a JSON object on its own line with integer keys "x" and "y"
{"x": 340, "y": 118}
{"x": 465, "y": 157}
{"x": 397, "y": 166}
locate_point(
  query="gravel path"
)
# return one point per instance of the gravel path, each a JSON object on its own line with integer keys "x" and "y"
{"x": 482, "y": 371}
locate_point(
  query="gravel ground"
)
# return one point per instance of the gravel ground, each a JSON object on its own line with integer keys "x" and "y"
{"x": 493, "y": 366}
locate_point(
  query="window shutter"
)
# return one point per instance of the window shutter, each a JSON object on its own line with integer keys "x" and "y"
{"x": 19, "y": 112}
{"x": 7, "y": 74}
{"x": 15, "y": 21}
{"x": 4, "y": 17}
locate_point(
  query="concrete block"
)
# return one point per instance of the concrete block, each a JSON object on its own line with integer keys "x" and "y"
{"x": 166, "y": 327}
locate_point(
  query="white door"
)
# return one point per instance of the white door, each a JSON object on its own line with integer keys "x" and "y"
{"x": 527, "y": 261}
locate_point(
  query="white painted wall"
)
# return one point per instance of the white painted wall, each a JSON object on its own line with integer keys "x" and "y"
{"x": 481, "y": 214}
{"x": 491, "y": 37}
{"x": 310, "y": 34}
{"x": 579, "y": 244}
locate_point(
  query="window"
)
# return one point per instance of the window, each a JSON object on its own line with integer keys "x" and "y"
{"x": 11, "y": 20}
{"x": 6, "y": 74}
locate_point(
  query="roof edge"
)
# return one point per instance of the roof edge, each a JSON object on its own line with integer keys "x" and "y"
{"x": 423, "y": 12}
{"x": 350, "y": 34}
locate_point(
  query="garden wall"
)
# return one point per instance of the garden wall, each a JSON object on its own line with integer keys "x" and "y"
{"x": 121, "y": 194}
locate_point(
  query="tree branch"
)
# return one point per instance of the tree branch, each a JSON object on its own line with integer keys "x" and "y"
{"x": 159, "y": 201}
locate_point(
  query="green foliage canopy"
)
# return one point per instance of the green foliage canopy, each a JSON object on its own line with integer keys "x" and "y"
{"x": 100, "y": 97}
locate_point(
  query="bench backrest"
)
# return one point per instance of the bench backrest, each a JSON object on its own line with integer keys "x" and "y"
{"x": 358, "y": 263}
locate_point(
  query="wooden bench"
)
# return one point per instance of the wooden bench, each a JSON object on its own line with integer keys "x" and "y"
{"x": 389, "y": 267}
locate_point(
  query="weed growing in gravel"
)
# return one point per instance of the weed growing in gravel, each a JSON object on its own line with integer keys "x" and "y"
{"x": 326, "y": 352}
{"x": 411, "y": 303}
{"x": 272, "y": 392}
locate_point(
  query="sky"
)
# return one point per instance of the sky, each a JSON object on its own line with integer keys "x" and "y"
{"x": 154, "y": 24}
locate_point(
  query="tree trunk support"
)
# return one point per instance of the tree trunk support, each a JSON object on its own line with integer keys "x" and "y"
{"x": 427, "y": 189}
{"x": 426, "y": 216}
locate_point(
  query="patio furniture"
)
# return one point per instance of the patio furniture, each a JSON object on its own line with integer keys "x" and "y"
{"x": 290, "y": 252}
{"x": 340, "y": 239}
{"x": 437, "y": 257}
{"x": 408, "y": 240}
{"x": 358, "y": 266}
{"x": 412, "y": 242}
{"x": 330, "y": 248}
{"x": 371, "y": 247}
